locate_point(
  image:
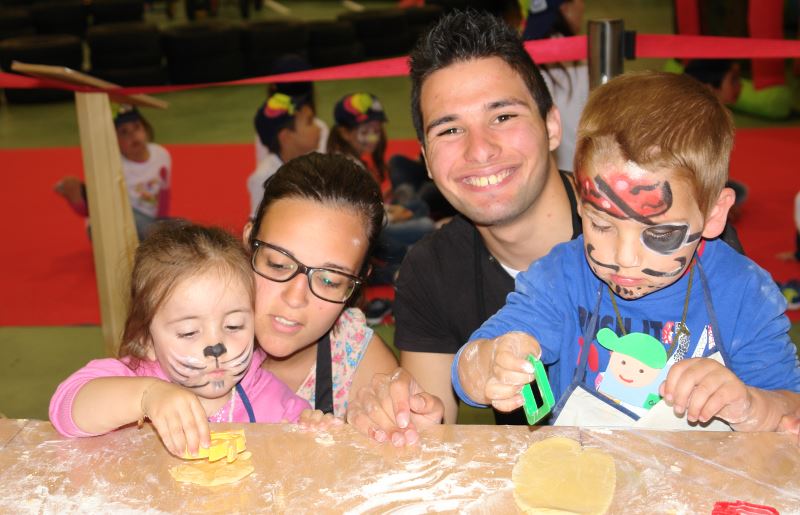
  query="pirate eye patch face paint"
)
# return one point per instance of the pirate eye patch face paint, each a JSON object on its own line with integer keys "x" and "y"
{"x": 638, "y": 226}
{"x": 667, "y": 238}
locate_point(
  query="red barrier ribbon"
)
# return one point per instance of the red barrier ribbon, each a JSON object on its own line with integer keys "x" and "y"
{"x": 543, "y": 51}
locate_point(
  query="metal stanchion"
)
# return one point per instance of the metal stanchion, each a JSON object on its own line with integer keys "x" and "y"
{"x": 606, "y": 53}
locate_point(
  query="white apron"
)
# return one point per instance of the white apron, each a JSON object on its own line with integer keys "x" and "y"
{"x": 583, "y": 406}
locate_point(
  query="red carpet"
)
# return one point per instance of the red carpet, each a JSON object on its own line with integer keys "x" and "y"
{"x": 47, "y": 268}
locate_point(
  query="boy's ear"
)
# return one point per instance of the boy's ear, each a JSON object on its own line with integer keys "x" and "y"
{"x": 246, "y": 232}
{"x": 553, "y": 124}
{"x": 282, "y": 135}
{"x": 718, "y": 216}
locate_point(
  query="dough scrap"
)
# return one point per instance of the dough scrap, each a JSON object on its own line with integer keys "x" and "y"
{"x": 216, "y": 471}
{"x": 206, "y": 473}
{"x": 557, "y": 475}
{"x": 224, "y": 444}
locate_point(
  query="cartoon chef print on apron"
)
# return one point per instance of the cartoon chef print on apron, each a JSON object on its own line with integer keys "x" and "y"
{"x": 625, "y": 394}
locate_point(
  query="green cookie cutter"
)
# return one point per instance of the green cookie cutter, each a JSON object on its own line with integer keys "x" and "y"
{"x": 533, "y": 412}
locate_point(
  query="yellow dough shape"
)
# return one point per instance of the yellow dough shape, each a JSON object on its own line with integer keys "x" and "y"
{"x": 224, "y": 444}
{"x": 557, "y": 475}
{"x": 205, "y": 473}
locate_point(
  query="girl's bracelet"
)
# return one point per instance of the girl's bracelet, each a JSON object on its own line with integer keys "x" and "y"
{"x": 143, "y": 416}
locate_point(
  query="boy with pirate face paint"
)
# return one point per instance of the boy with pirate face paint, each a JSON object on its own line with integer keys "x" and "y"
{"x": 649, "y": 271}
{"x": 187, "y": 356}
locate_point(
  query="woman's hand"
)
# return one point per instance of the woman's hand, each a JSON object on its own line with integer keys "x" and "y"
{"x": 178, "y": 417}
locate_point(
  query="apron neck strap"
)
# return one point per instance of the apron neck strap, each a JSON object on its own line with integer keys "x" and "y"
{"x": 323, "y": 388}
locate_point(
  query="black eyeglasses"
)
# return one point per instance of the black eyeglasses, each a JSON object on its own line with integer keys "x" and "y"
{"x": 275, "y": 264}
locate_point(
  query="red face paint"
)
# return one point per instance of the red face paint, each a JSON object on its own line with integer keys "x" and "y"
{"x": 624, "y": 197}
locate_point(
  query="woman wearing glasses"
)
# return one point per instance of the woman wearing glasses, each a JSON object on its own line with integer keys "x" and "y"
{"x": 310, "y": 238}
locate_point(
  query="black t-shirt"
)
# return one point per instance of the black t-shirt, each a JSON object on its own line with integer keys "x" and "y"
{"x": 448, "y": 285}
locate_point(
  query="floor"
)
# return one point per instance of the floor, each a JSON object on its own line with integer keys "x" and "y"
{"x": 38, "y": 358}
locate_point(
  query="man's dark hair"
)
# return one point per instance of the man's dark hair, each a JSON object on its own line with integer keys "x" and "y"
{"x": 462, "y": 36}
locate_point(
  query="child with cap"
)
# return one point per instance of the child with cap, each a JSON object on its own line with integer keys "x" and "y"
{"x": 652, "y": 160}
{"x": 290, "y": 63}
{"x": 146, "y": 167}
{"x": 285, "y": 125}
{"x": 359, "y": 133}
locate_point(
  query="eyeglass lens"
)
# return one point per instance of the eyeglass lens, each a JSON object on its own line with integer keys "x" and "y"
{"x": 326, "y": 284}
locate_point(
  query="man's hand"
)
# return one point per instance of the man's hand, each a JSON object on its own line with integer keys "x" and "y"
{"x": 394, "y": 408}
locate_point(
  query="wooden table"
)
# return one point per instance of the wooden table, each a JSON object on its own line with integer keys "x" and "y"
{"x": 454, "y": 468}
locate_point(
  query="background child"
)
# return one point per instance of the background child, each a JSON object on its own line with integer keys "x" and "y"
{"x": 652, "y": 160}
{"x": 290, "y": 63}
{"x": 359, "y": 133}
{"x": 791, "y": 288}
{"x": 285, "y": 125}
{"x": 146, "y": 167}
{"x": 187, "y": 355}
{"x": 723, "y": 77}
{"x": 318, "y": 220}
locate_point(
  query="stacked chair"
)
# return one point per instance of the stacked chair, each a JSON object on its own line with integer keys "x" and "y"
{"x": 121, "y": 48}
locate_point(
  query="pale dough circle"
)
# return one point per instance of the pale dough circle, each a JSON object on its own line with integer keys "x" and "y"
{"x": 556, "y": 475}
{"x": 212, "y": 474}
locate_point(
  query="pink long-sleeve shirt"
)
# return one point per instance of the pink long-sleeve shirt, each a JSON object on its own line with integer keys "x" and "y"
{"x": 271, "y": 399}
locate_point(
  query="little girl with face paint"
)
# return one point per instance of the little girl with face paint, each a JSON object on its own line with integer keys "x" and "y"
{"x": 187, "y": 356}
{"x": 360, "y": 135}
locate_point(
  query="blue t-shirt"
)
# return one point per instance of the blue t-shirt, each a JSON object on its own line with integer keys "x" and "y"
{"x": 555, "y": 297}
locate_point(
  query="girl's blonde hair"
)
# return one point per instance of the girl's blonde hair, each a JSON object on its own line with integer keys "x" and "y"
{"x": 173, "y": 252}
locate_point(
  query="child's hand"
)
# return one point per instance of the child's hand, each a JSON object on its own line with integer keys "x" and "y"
{"x": 178, "y": 417}
{"x": 704, "y": 388}
{"x": 498, "y": 369}
{"x": 317, "y": 420}
{"x": 790, "y": 424}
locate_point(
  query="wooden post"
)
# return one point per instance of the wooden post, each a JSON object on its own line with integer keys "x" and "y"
{"x": 113, "y": 231}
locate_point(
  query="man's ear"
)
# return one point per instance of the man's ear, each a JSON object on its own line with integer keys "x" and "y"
{"x": 425, "y": 161}
{"x": 553, "y": 124}
{"x": 246, "y": 232}
{"x": 718, "y": 216}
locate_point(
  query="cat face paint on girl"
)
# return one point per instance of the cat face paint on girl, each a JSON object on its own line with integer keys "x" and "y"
{"x": 640, "y": 228}
{"x": 203, "y": 333}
